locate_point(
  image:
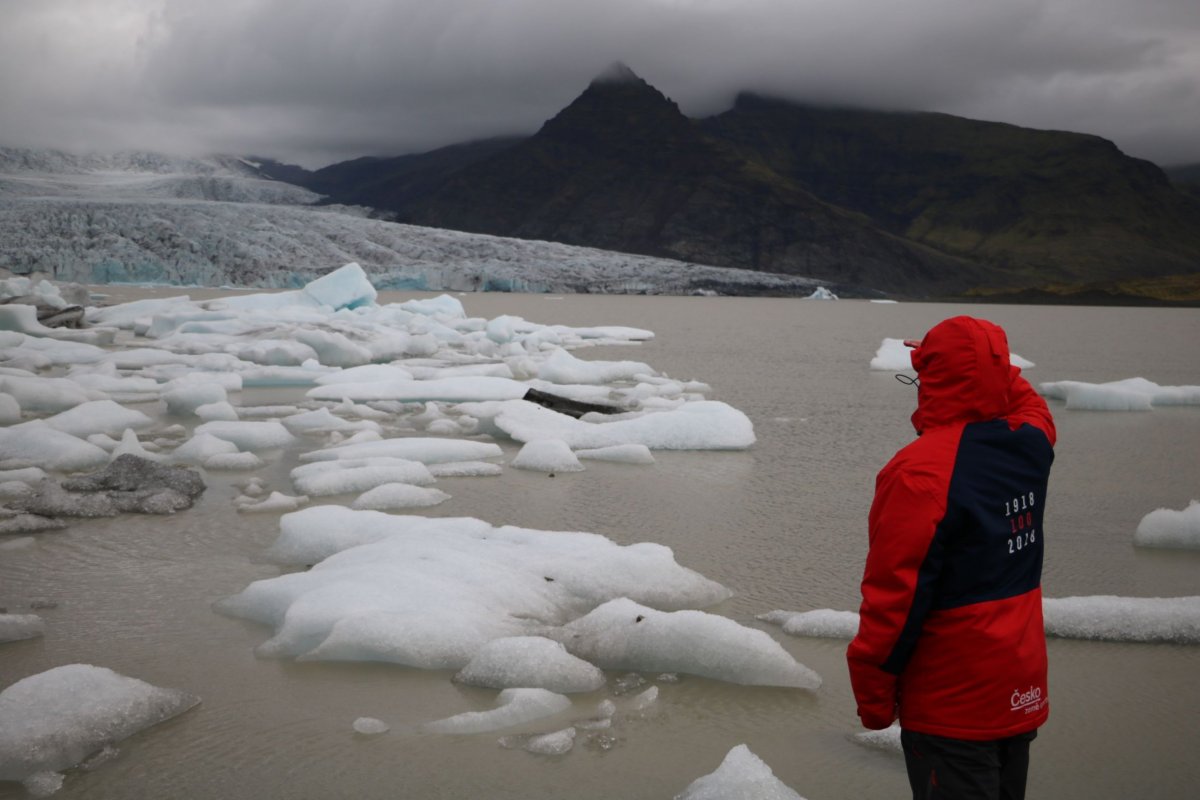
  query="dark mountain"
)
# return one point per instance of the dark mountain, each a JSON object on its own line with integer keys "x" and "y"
{"x": 1042, "y": 205}
{"x": 918, "y": 204}
{"x": 1185, "y": 178}
{"x": 622, "y": 168}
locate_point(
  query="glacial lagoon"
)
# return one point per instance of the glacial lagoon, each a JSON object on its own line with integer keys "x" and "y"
{"x": 781, "y": 524}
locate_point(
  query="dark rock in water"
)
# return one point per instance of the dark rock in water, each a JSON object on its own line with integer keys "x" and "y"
{"x": 129, "y": 484}
{"x": 130, "y": 473}
{"x": 565, "y": 405}
{"x": 48, "y": 499}
{"x": 151, "y": 501}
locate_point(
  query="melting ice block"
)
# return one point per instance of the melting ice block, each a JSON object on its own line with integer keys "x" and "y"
{"x": 251, "y": 435}
{"x": 324, "y": 478}
{"x": 427, "y": 450}
{"x": 741, "y": 775}
{"x": 392, "y": 496}
{"x": 1130, "y": 394}
{"x": 52, "y": 721}
{"x": 431, "y": 592}
{"x": 703, "y": 425}
{"x": 515, "y": 707}
{"x": 346, "y": 287}
{"x": 823, "y": 622}
{"x": 1165, "y": 527}
{"x": 562, "y": 367}
{"x": 14, "y": 627}
{"x": 530, "y": 661}
{"x": 620, "y": 453}
{"x": 1103, "y": 617}
{"x": 547, "y": 455}
{"x": 1124, "y": 619}
{"x": 887, "y": 739}
{"x": 452, "y": 390}
{"x": 622, "y": 634}
{"x": 36, "y": 443}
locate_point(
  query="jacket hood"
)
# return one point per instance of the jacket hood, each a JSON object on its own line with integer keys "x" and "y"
{"x": 965, "y": 373}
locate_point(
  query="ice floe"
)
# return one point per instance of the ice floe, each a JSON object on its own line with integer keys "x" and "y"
{"x": 1166, "y": 527}
{"x": 52, "y": 721}
{"x": 531, "y": 661}
{"x": 430, "y": 592}
{"x": 741, "y": 774}
{"x": 14, "y": 627}
{"x": 514, "y": 707}
{"x": 1101, "y": 617}
{"x": 1130, "y": 394}
{"x": 547, "y": 455}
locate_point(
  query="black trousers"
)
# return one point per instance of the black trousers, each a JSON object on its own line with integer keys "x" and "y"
{"x": 957, "y": 769}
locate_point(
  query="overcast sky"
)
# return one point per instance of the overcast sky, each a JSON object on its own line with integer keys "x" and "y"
{"x": 317, "y": 81}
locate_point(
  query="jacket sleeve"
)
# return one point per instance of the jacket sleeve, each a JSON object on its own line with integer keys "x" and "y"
{"x": 1026, "y": 405}
{"x": 896, "y": 587}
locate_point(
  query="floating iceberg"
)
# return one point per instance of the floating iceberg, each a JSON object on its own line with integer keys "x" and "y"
{"x": 52, "y": 721}
{"x": 1165, "y": 527}
{"x": 702, "y": 425}
{"x": 14, "y": 627}
{"x": 1103, "y": 617}
{"x": 821, "y": 622}
{"x": 431, "y": 592}
{"x": 741, "y": 775}
{"x": 621, "y": 634}
{"x": 1124, "y": 619}
{"x": 531, "y": 661}
{"x": 515, "y": 707}
{"x": 1131, "y": 394}
{"x": 547, "y": 455}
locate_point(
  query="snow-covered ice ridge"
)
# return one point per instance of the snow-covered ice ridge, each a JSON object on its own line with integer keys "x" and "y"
{"x": 148, "y": 218}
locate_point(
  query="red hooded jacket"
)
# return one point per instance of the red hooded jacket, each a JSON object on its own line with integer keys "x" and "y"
{"x": 950, "y": 636}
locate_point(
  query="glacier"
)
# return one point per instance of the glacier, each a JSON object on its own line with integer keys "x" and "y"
{"x": 146, "y": 218}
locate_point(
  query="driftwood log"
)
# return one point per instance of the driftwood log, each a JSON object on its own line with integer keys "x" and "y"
{"x": 564, "y": 405}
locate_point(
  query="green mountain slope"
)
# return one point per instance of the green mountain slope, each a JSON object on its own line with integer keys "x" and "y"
{"x": 1039, "y": 206}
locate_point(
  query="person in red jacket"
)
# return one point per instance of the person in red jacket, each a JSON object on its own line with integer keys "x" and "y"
{"x": 950, "y": 637}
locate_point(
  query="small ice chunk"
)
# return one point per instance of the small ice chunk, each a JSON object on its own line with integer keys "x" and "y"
{"x": 562, "y": 367}
{"x": 823, "y": 622}
{"x": 887, "y": 739}
{"x": 741, "y": 775}
{"x": 52, "y": 721}
{"x": 427, "y": 450}
{"x": 1130, "y": 394}
{"x": 350, "y": 477}
{"x": 552, "y": 744}
{"x": 622, "y": 634}
{"x": 369, "y": 726}
{"x": 26, "y": 474}
{"x": 702, "y": 425}
{"x": 346, "y": 287}
{"x": 276, "y": 502}
{"x": 515, "y": 707}
{"x": 547, "y": 455}
{"x": 392, "y": 496}
{"x": 211, "y": 412}
{"x": 185, "y": 399}
{"x": 98, "y": 416}
{"x": 644, "y": 699}
{"x": 38, "y": 444}
{"x": 822, "y": 293}
{"x": 465, "y": 469}
{"x": 14, "y": 627}
{"x": 233, "y": 461}
{"x": 249, "y": 435}
{"x": 322, "y": 421}
{"x": 1124, "y": 619}
{"x": 1165, "y": 527}
{"x": 200, "y": 448}
{"x": 535, "y": 661}
{"x": 620, "y": 453}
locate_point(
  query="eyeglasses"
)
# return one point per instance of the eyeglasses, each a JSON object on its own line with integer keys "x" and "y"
{"x": 907, "y": 381}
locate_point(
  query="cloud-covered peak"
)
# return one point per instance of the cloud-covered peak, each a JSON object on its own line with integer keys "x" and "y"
{"x": 616, "y": 72}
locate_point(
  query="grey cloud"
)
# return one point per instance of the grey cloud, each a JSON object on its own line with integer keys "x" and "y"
{"x": 317, "y": 81}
